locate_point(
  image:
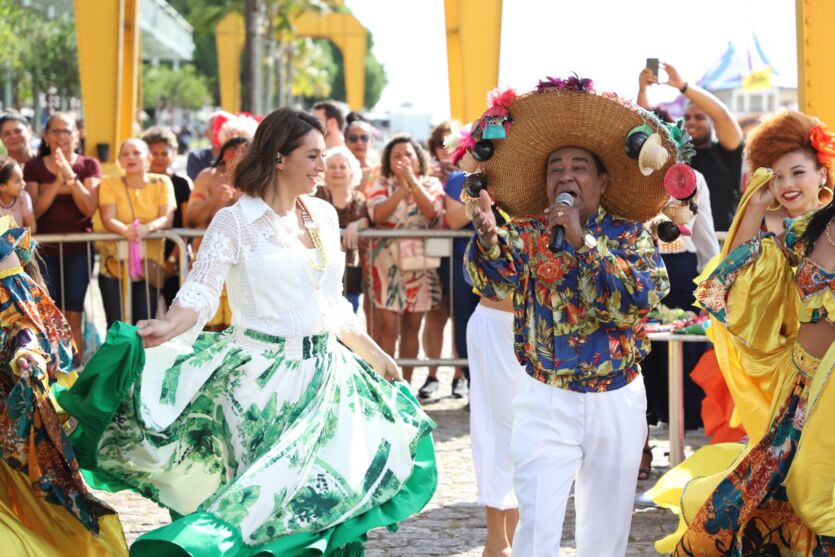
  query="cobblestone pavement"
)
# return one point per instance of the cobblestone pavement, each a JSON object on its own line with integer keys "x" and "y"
{"x": 452, "y": 524}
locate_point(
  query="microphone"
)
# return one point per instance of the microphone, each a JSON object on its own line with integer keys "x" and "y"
{"x": 558, "y": 232}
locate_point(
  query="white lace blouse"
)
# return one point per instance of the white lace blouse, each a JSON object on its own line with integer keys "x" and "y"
{"x": 271, "y": 283}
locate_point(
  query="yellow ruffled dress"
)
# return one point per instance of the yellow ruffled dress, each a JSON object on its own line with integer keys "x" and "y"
{"x": 45, "y": 507}
{"x": 774, "y": 495}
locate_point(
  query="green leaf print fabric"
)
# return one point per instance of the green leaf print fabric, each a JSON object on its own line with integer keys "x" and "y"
{"x": 265, "y": 445}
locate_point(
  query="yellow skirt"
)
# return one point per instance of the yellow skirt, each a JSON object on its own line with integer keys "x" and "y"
{"x": 32, "y": 527}
{"x": 686, "y": 488}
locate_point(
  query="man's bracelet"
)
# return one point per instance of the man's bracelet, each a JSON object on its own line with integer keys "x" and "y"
{"x": 684, "y": 88}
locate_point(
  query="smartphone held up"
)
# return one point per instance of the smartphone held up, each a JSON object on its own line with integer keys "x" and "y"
{"x": 652, "y": 64}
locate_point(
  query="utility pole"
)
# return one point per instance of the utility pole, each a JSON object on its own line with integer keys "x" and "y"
{"x": 253, "y": 54}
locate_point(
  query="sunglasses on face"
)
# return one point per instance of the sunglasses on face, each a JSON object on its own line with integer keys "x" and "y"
{"x": 353, "y": 138}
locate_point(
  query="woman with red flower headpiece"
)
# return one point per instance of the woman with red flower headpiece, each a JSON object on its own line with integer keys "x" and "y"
{"x": 772, "y": 307}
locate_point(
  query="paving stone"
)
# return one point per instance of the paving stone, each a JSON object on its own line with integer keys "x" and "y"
{"x": 451, "y": 524}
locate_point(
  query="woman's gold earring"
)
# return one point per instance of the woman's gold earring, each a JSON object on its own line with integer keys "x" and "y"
{"x": 827, "y": 196}
{"x": 775, "y": 206}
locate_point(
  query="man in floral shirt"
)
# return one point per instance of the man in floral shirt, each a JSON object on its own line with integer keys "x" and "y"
{"x": 578, "y": 312}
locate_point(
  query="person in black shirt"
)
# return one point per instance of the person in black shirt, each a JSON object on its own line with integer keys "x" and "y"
{"x": 162, "y": 144}
{"x": 720, "y": 161}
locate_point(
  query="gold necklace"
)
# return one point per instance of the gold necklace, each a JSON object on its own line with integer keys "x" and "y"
{"x": 313, "y": 232}
{"x": 828, "y": 237}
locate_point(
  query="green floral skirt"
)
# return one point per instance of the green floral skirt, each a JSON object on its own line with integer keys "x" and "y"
{"x": 261, "y": 445}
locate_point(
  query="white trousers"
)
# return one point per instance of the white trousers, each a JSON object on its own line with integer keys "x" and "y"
{"x": 495, "y": 377}
{"x": 593, "y": 440}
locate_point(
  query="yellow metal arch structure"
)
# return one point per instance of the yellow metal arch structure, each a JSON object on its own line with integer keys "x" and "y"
{"x": 109, "y": 65}
{"x": 816, "y": 58}
{"x": 473, "y": 38}
{"x": 348, "y": 34}
{"x": 342, "y": 29}
{"x": 230, "y": 37}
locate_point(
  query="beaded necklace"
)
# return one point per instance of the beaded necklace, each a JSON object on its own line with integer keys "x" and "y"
{"x": 313, "y": 232}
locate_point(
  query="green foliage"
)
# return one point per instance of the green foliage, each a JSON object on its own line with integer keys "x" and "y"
{"x": 310, "y": 68}
{"x": 336, "y": 73}
{"x": 12, "y": 45}
{"x": 203, "y": 16}
{"x": 313, "y": 66}
{"x": 375, "y": 76}
{"x": 183, "y": 87}
{"x": 52, "y": 59}
{"x": 41, "y": 52}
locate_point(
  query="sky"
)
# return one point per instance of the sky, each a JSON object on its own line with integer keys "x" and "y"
{"x": 606, "y": 40}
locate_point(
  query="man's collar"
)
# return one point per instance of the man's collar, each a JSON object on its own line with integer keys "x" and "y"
{"x": 253, "y": 207}
{"x": 596, "y": 217}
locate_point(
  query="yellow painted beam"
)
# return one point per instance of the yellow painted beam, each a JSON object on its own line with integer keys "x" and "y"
{"x": 816, "y": 58}
{"x": 474, "y": 32}
{"x": 98, "y": 34}
{"x": 350, "y": 37}
{"x": 230, "y": 36}
{"x": 455, "y": 72}
{"x": 131, "y": 69}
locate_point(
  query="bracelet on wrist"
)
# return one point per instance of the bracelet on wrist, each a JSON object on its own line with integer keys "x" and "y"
{"x": 683, "y": 88}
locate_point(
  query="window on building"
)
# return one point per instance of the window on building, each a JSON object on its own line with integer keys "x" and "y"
{"x": 757, "y": 103}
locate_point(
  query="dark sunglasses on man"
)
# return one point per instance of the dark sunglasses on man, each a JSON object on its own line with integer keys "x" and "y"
{"x": 353, "y": 138}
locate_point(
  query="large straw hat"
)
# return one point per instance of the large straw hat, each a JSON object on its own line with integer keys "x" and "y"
{"x": 562, "y": 113}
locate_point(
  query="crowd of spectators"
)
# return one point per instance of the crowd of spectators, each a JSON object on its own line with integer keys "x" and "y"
{"x": 404, "y": 286}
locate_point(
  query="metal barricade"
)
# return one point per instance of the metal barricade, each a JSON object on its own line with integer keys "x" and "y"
{"x": 445, "y": 234}
{"x": 89, "y": 238}
{"x": 180, "y": 237}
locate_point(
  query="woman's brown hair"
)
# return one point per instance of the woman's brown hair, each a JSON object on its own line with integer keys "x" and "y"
{"x": 385, "y": 158}
{"x": 280, "y": 133}
{"x": 436, "y": 137}
{"x": 779, "y": 133}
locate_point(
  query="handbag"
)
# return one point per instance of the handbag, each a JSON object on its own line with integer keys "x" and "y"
{"x": 410, "y": 255}
{"x": 353, "y": 280}
{"x": 113, "y": 256}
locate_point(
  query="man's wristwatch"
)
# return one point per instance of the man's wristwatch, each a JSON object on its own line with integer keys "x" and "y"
{"x": 589, "y": 243}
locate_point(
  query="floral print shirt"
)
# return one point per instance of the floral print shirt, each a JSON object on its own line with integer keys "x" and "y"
{"x": 577, "y": 313}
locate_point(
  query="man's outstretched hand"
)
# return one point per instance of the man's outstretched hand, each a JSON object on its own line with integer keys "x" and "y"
{"x": 485, "y": 221}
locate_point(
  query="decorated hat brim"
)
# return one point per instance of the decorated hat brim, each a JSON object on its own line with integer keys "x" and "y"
{"x": 552, "y": 119}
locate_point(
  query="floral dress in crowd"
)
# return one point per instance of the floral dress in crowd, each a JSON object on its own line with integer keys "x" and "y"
{"x": 391, "y": 288}
{"x": 45, "y": 507}
{"x": 270, "y": 438}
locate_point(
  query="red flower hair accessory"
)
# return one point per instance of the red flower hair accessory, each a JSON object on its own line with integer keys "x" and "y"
{"x": 824, "y": 144}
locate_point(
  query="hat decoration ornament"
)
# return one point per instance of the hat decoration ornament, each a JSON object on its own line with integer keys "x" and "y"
{"x": 502, "y": 150}
{"x": 494, "y": 124}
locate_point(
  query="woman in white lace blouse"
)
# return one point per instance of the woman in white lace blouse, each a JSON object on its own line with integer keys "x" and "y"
{"x": 270, "y": 436}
